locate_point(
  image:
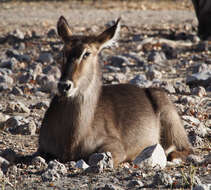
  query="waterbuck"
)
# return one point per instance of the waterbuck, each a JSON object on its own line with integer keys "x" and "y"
{"x": 86, "y": 116}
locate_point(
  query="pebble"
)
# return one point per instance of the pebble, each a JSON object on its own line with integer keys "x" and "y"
{"x": 118, "y": 61}
{"x": 16, "y": 91}
{"x": 135, "y": 183}
{"x": 199, "y": 91}
{"x": 81, "y": 164}
{"x": 59, "y": 167}
{"x": 199, "y": 79}
{"x": 45, "y": 57}
{"x": 27, "y": 129}
{"x": 109, "y": 187}
{"x": 18, "y": 34}
{"x": 100, "y": 161}
{"x": 50, "y": 175}
{"x": 9, "y": 154}
{"x": 12, "y": 64}
{"x": 17, "y": 107}
{"x": 153, "y": 74}
{"x": 39, "y": 162}
{"x": 157, "y": 57}
{"x": 162, "y": 178}
{"x": 26, "y": 77}
{"x": 54, "y": 171}
{"x": 4, "y": 164}
{"x": 181, "y": 88}
{"x": 141, "y": 80}
{"x": 52, "y": 33}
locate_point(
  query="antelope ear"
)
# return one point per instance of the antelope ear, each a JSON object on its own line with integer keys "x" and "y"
{"x": 63, "y": 28}
{"x": 110, "y": 36}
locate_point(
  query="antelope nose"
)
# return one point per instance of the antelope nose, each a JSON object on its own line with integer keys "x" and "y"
{"x": 64, "y": 87}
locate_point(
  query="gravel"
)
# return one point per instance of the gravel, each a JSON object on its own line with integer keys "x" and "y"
{"x": 156, "y": 48}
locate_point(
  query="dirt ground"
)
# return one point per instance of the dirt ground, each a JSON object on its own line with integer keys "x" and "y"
{"x": 140, "y": 19}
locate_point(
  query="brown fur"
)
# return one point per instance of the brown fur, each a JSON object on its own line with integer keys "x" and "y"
{"x": 122, "y": 119}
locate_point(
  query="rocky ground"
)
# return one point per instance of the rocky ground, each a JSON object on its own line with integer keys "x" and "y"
{"x": 158, "y": 47}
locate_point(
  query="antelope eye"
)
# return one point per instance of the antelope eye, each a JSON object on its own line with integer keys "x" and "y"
{"x": 86, "y": 54}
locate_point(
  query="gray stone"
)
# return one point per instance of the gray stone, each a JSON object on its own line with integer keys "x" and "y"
{"x": 12, "y": 123}
{"x": 44, "y": 79}
{"x": 46, "y": 57}
{"x": 151, "y": 157}
{"x": 81, "y": 164}
{"x": 157, "y": 57}
{"x": 202, "y": 187}
{"x": 111, "y": 68}
{"x": 10, "y": 64}
{"x": 208, "y": 159}
{"x": 5, "y": 78}
{"x": 39, "y": 162}
{"x": 25, "y": 78}
{"x": 59, "y": 167}
{"x": 54, "y": 171}
{"x": 199, "y": 91}
{"x": 20, "y": 57}
{"x": 140, "y": 80}
{"x": 118, "y": 61}
{"x": 12, "y": 170}
{"x": 187, "y": 100}
{"x": 135, "y": 183}
{"x": 194, "y": 159}
{"x": 16, "y": 91}
{"x": 200, "y": 67}
{"x": 52, "y": 70}
{"x": 199, "y": 79}
{"x": 162, "y": 178}
{"x": 20, "y": 125}
{"x": 9, "y": 155}
{"x": 153, "y": 74}
{"x": 18, "y": 34}
{"x": 3, "y": 117}
{"x": 100, "y": 161}
{"x": 36, "y": 68}
{"x": 169, "y": 87}
{"x": 138, "y": 60}
{"x": 4, "y": 87}
{"x": 181, "y": 88}
{"x": 41, "y": 105}
{"x": 52, "y": 32}
{"x": 191, "y": 119}
{"x": 50, "y": 175}
{"x": 17, "y": 107}
{"x": 109, "y": 187}
{"x": 49, "y": 87}
{"x": 4, "y": 164}
{"x": 27, "y": 128}
{"x": 195, "y": 140}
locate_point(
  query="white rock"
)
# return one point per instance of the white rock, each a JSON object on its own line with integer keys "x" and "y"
{"x": 153, "y": 156}
{"x": 81, "y": 164}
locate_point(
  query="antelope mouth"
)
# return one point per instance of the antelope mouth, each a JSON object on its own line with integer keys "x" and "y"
{"x": 66, "y": 89}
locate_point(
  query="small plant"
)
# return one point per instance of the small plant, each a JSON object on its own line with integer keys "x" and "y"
{"x": 189, "y": 178}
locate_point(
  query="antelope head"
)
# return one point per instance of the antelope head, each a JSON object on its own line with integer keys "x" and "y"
{"x": 81, "y": 65}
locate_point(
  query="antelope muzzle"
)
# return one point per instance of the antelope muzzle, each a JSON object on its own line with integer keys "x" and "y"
{"x": 65, "y": 88}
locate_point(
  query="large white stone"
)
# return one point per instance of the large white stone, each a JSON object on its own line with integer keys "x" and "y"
{"x": 152, "y": 157}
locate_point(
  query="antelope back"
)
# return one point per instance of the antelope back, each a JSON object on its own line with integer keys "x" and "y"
{"x": 81, "y": 57}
